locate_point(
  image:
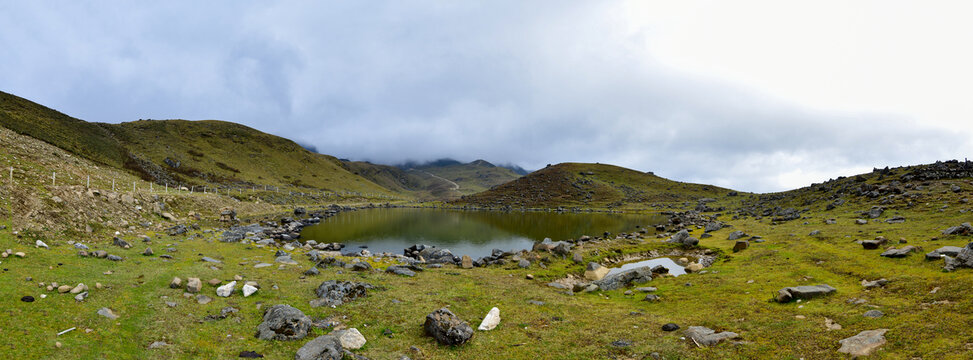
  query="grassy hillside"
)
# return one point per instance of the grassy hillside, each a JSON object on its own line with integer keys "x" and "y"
{"x": 472, "y": 177}
{"x": 420, "y": 185}
{"x": 90, "y": 140}
{"x": 590, "y": 185}
{"x": 209, "y": 153}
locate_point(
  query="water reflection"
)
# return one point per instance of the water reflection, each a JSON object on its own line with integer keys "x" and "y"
{"x": 473, "y": 233}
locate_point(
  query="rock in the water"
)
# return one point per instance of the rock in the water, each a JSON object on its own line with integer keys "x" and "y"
{"x": 194, "y": 285}
{"x": 226, "y": 290}
{"x": 248, "y": 290}
{"x": 350, "y": 339}
{"x": 864, "y": 343}
{"x": 803, "y": 292}
{"x": 703, "y": 336}
{"x": 108, "y": 313}
{"x": 325, "y": 347}
{"x": 595, "y": 271}
{"x": 624, "y": 278}
{"x": 334, "y": 293}
{"x": 447, "y": 328}
{"x": 491, "y": 320}
{"x": 283, "y": 322}
{"x": 900, "y": 252}
{"x": 740, "y": 245}
{"x": 670, "y": 327}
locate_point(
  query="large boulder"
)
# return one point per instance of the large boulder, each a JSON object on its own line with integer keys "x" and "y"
{"x": 283, "y": 322}
{"x": 334, "y": 293}
{"x": 434, "y": 255}
{"x": 682, "y": 237}
{"x": 803, "y": 292}
{"x": 864, "y": 343}
{"x": 703, "y": 336}
{"x": 447, "y": 328}
{"x": 624, "y": 278}
{"x": 964, "y": 229}
{"x": 943, "y": 251}
{"x": 325, "y": 347}
{"x": 963, "y": 259}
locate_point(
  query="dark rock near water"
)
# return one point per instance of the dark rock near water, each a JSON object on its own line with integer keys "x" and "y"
{"x": 283, "y": 322}
{"x": 624, "y": 278}
{"x": 447, "y": 328}
{"x": 334, "y": 293}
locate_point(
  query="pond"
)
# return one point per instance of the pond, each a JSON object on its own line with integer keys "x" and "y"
{"x": 473, "y": 233}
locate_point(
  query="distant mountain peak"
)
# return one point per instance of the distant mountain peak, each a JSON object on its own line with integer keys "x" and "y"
{"x": 481, "y": 162}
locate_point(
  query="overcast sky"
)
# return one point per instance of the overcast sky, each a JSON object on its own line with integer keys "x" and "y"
{"x": 752, "y": 95}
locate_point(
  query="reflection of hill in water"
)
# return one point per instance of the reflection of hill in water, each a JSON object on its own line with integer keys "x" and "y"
{"x": 476, "y": 227}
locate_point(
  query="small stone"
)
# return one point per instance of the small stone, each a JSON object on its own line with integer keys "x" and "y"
{"x": 491, "y": 320}
{"x": 57, "y": 344}
{"x": 175, "y": 283}
{"x": 670, "y": 327}
{"x": 351, "y": 339}
{"x": 148, "y": 252}
{"x": 108, "y": 313}
{"x": 529, "y": 277}
{"x": 194, "y": 285}
{"x": 874, "y": 314}
{"x": 20, "y": 254}
{"x": 78, "y": 289}
{"x": 237, "y": 278}
{"x": 64, "y": 289}
{"x": 248, "y": 290}
{"x": 214, "y": 282}
{"x": 203, "y": 299}
{"x": 41, "y": 244}
{"x": 466, "y": 262}
{"x": 158, "y": 345}
{"x": 226, "y": 290}
{"x": 27, "y": 299}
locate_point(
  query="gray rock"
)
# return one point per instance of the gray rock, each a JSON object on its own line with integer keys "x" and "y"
{"x": 325, "y": 347}
{"x": 283, "y": 322}
{"x": 682, "y": 237}
{"x": 203, "y": 299}
{"x": 736, "y": 235}
{"x": 108, "y": 313}
{"x": 523, "y": 264}
{"x": 864, "y": 343}
{"x": 803, "y": 292}
{"x": 963, "y": 259}
{"x": 447, "y": 328}
{"x": 945, "y": 250}
{"x": 335, "y": 293}
{"x": 895, "y": 220}
{"x": 194, "y": 285}
{"x": 814, "y": 233}
{"x": 401, "y": 270}
{"x": 874, "y": 284}
{"x": 148, "y": 252}
{"x": 872, "y": 244}
{"x": 875, "y": 212}
{"x": 211, "y": 260}
{"x": 964, "y": 229}
{"x": 624, "y": 278}
{"x": 898, "y": 253}
{"x": 114, "y": 258}
{"x": 703, "y": 336}
{"x": 713, "y": 226}
{"x": 873, "y": 314}
{"x": 361, "y": 266}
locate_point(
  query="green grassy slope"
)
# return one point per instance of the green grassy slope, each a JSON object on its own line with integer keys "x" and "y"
{"x": 591, "y": 185}
{"x": 210, "y": 153}
{"x": 90, "y": 140}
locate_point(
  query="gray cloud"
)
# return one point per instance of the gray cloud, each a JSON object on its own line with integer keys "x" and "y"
{"x": 510, "y": 82}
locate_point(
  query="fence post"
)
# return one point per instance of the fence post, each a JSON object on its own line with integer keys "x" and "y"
{"x": 54, "y": 178}
{"x": 87, "y": 184}
{"x": 167, "y": 187}
{"x": 112, "y": 185}
{"x": 133, "y": 187}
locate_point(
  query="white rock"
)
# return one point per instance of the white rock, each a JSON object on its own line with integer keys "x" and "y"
{"x": 248, "y": 290}
{"x": 226, "y": 290}
{"x": 351, "y": 339}
{"x": 491, "y": 320}
{"x": 41, "y": 244}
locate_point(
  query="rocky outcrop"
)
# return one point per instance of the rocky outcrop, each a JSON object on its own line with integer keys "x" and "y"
{"x": 283, "y": 322}
{"x": 447, "y": 328}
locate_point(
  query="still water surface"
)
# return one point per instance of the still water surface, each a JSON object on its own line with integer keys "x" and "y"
{"x": 473, "y": 233}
